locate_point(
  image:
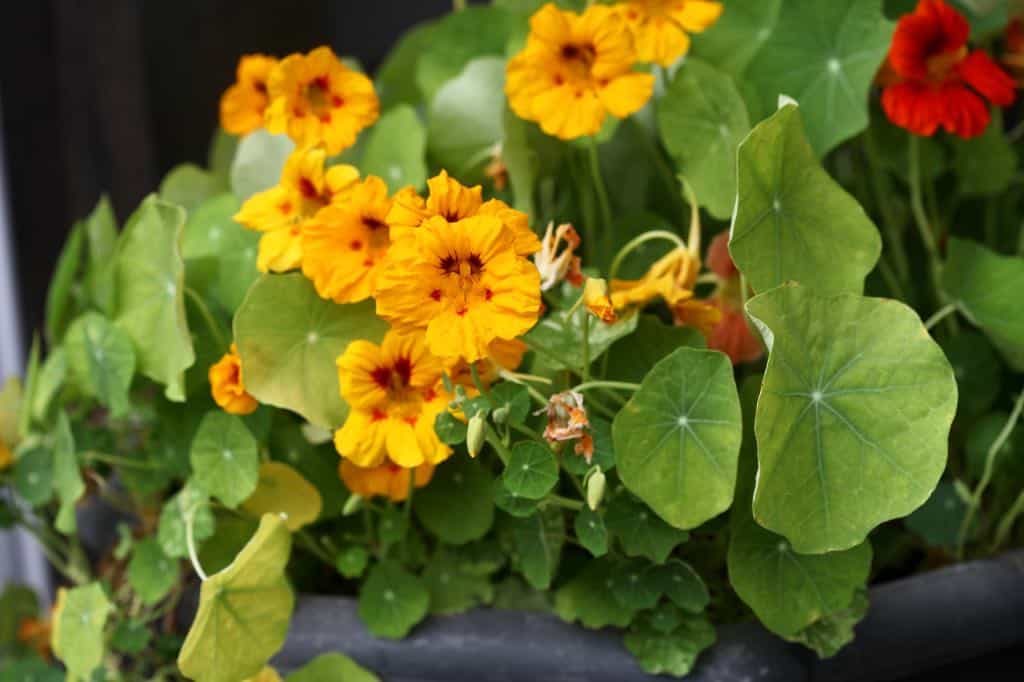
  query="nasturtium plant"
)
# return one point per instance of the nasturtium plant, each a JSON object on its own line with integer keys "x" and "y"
{"x": 641, "y": 324}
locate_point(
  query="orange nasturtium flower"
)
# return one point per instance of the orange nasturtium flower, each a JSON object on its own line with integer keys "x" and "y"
{"x": 661, "y": 28}
{"x": 344, "y": 245}
{"x": 316, "y": 99}
{"x": 387, "y": 480}
{"x": 35, "y": 634}
{"x": 464, "y": 282}
{"x": 279, "y": 212}
{"x": 576, "y": 69}
{"x": 228, "y": 387}
{"x": 243, "y": 104}
{"x": 394, "y": 392}
{"x": 932, "y": 79}
{"x": 453, "y": 201}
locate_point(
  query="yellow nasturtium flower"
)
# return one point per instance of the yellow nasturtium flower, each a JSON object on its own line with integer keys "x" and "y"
{"x": 242, "y": 106}
{"x": 228, "y": 387}
{"x": 661, "y": 28}
{"x": 463, "y": 282}
{"x": 576, "y": 69}
{"x": 387, "y": 480}
{"x": 394, "y": 392}
{"x": 672, "y": 278}
{"x": 279, "y": 212}
{"x": 316, "y": 99}
{"x": 502, "y": 354}
{"x": 344, "y": 245}
{"x": 453, "y": 201}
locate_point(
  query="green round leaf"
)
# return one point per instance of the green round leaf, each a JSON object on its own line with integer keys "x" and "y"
{"x": 681, "y": 584}
{"x": 289, "y": 340}
{"x": 702, "y": 120}
{"x": 351, "y": 561}
{"x": 392, "y": 600}
{"x": 243, "y": 611}
{"x": 986, "y": 287}
{"x": 677, "y": 440}
{"x": 188, "y": 186}
{"x": 673, "y": 653}
{"x": 640, "y": 531}
{"x": 79, "y": 618}
{"x": 171, "y": 528}
{"x": 532, "y": 471}
{"x": 225, "y": 458}
{"x": 131, "y": 637}
{"x": 101, "y": 360}
{"x": 591, "y": 532}
{"x": 151, "y": 573}
{"x": 792, "y": 218}
{"x": 151, "y": 294}
{"x": 633, "y": 585}
{"x": 824, "y": 55}
{"x": 258, "y": 162}
{"x": 395, "y": 149}
{"x": 587, "y": 598}
{"x": 220, "y": 253}
{"x": 513, "y": 398}
{"x": 513, "y": 503}
{"x": 332, "y": 668}
{"x": 465, "y": 480}
{"x": 854, "y": 414}
{"x": 33, "y": 475}
{"x": 450, "y": 429}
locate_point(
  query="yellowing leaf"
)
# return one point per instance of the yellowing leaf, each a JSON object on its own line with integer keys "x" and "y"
{"x": 283, "y": 491}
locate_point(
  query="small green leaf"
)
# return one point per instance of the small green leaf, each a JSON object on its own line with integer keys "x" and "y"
{"x": 631, "y": 357}
{"x": 591, "y": 532}
{"x": 395, "y": 149}
{"x": 532, "y": 471}
{"x": 258, "y": 162}
{"x": 289, "y": 339}
{"x": 537, "y": 545}
{"x": 171, "y": 528}
{"x": 67, "y": 475}
{"x": 634, "y": 586}
{"x": 986, "y": 287}
{"x": 938, "y": 520}
{"x": 332, "y": 668}
{"x": 243, "y": 611}
{"x": 513, "y": 503}
{"x": 131, "y": 637}
{"x": 702, "y": 120}
{"x": 587, "y": 598}
{"x": 453, "y": 587}
{"x": 79, "y": 617}
{"x": 558, "y": 338}
{"x": 282, "y": 491}
{"x": 101, "y": 360}
{"x": 830, "y": 633}
{"x": 640, "y": 531}
{"x": 392, "y": 600}
{"x": 671, "y": 653}
{"x": 59, "y": 297}
{"x": 151, "y": 294}
{"x": 351, "y": 561}
{"x": 513, "y": 398}
{"x": 225, "y": 458}
{"x": 779, "y": 230}
{"x": 465, "y": 480}
{"x": 33, "y": 474}
{"x": 151, "y": 573}
{"x": 466, "y": 118}
{"x": 188, "y": 186}
{"x": 449, "y": 428}
{"x": 677, "y": 440}
{"x": 825, "y": 56}
{"x": 681, "y": 584}
{"x": 854, "y": 413}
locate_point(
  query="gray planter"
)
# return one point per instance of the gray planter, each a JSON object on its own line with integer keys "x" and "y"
{"x": 913, "y": 626}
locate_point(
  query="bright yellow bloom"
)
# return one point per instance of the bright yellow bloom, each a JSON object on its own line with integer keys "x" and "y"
{"x": 502, "y": 354}
{"x": 672, "y": 278}
{"x": 318, "y": 100}
{"x": 6, "y": 458}
{"x": 574, "y": 70}
{"x": 242, "y": 106}
{"x": 280, "y": 211}
{"x": 453, "y": 201}
{"x": 464, "y": 282}
{"x": 227, "y": 386}
{"x": 344, "y": 245}
{"x": 394, "y": 393}
{"x": 387, "y": 480}
{"x": 661, "y": 27}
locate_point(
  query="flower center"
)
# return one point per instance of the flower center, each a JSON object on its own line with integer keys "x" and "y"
{"x": 395, "y": 379}
{"x": 579, "y": 59}
{"x": 461, "y": 277}
{"x": 940, "y": 65}
{"x": 317, "y": 94}
{"x": 379, "y": 238}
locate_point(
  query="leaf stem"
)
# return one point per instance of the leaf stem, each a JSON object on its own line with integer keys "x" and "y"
{"x": 878, "y": 178}
{"x": 621, "y": 385}
{"x": 585, "y": 368}
{"x": 499, "y": 446}
{"x": 986, "y": 476}
{"x": 924, "y": 226}
{"x": 637, "y": 241}
{"x": 190, "y": 541}
{"x": 602, "y": 192}
{"x": 1006, "y": 523}
{"x": 563, "y": 502}
{"x": 211, "y": 321}
{"x": 940, "y": 315}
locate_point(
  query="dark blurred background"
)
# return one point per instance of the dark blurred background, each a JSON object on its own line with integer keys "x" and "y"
{"x": 108, "y": 95}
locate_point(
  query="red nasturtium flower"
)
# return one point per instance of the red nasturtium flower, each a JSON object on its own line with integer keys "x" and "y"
{"x": 932, "y": 79}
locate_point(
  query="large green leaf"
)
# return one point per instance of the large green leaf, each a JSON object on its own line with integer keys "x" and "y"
{"x": 395, "y": 149}
{"x": 395, "y": 81}
{"x": 558, "y": 337}
{"x": 188, "y": 186}
{"x": 332, "y": 668}
{"x": 151, "y": 294}
{"x": 243, "y": 611}
{"x": 101, "y": 360}
{"x": 467, "y": 118}
{"x": 59, "y": 297}
{"x": 824, "y": 55}
{"x": 702, "y": 119}
{"x": 225, "y": 458}
{"x": 792, "y": 219}
{"x": 289, "y": 340}
{"x": 735, "y": 39}
{"x": 987, "y": 287}
{"x": 853, "y": 418}
{"x": 67, "y": 475}
{"x": 677, "y": 439}
{"x": 79, "y": 617}
{"x": 220, "y": 253}
{"x": 458, "y": 38}
{"x": 392, "y": 600}
{"x": 258, "y": 162}
{"x": 465, "y": 480}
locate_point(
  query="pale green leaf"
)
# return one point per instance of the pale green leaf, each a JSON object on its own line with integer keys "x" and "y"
{"x": 79, "y": 617}
{"x": 220, "y": 253}
{"x": 171, "y": 527}
{"x": 188, "y": 186}
{"x": 258, "y": 162}
{"x": 225, "y": 458}
{"x": 101, "y": 360}
{"x": 283, "y": 491}
{"x": 396, "y": 148}
{"x": 151, "y": 573}
{"x": 332, "y": 668}
{"x": 67, "y": 475}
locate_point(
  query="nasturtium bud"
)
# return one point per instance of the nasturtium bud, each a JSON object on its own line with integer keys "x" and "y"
{"x": 353, "y": 504}
{"x": 595, "y": 484}
{"x": 500, "y": 414}
{"x": 475, "y": 435}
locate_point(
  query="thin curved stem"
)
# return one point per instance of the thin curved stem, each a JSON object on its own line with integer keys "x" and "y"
{"x": 211, "y": 321}
{"x": 1006, "y": 523}
{"x": 637, "y": 241}
{"x": 621, "y": 385}
{"x": 190, "y": 540}
{"x": 940, "y": 315}
{"x": 602, "y": 192}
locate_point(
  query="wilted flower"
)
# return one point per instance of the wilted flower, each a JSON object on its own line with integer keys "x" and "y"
{"x": 567, "y": 420}
{"x": 595, "y": 297}
{"x": 554, "y": 266}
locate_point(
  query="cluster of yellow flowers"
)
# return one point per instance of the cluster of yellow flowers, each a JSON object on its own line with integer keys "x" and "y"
{"x": 576, "y": 68}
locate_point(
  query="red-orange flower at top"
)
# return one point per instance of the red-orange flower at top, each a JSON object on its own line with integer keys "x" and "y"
{"x": 932, "y": 79}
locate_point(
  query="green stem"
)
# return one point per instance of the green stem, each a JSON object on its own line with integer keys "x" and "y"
{"x": 621, "y": 385}
{"x": 312, "y": 545}
{"x": 602, "y": 192}
{"x": 986, "y": 476}
{"x": 190, "y": 540}
{"x": 924, "y": 226}
{"x": 940, "y": 315}
{"x": 563, "y": 502}
{"x": 637, "y": 241}
{"x": 499, "y": 446}
{"x": 211, "y": 321}
{"x": 117, "y": 460}
{"x": 1006, "y": 524}
{"x": 879, "y": 182}
{"x": 585, "y": 369}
